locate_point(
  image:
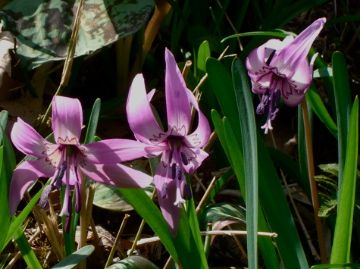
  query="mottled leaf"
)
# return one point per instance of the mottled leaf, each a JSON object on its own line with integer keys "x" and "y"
{"x": 43, "y": 28}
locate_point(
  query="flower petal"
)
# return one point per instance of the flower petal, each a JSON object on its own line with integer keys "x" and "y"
{"x": 23, "y": 176}
{"x": 117, "y": 175}
{"x": 111, "y": 151}
{"x": 201, "y": 135}
{"x": 140, "y": 116}
{"x": 298, "y": 84}
{"x": 67, "y": 120}
{"x": 177, "y": 103}
{"x": 192, "y": 158}
{"x": 27, "y": 140}
{"x": 166, "y": 190}
{"x": 290, "y": 56}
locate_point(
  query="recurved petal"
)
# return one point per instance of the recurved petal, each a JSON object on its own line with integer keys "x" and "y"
{"x": 112, "y": 151}
{"x": 27, "y": 140}
{"x": 23, "y": 176}
{"x": 178, "y": 107}
{"x": 140, "y": 116}
{"x": 117, "y": 175}
{"x": 296, "y": 51}
{"x": 67, "y": 120}
{"x": 201, "y": 135}
{"x": 298, "y": 85}
{"x": 166, "y": 190}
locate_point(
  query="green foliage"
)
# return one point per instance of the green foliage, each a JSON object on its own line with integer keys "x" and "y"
{"x": 340, "y": 252}
{"x": 133, "y": 262}
{"x": 75, "y": 258}
{"x": 43, "y": 28}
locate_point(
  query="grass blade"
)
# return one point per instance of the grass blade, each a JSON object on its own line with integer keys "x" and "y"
{"x": 317, "y": 105}
{"x": 342, "y": 102}
{"x": 26, "y": 251}
{"x": 340, "y": 252}
{"x": 247, "y": 123}
{"x": 228, "y": 141}
{"x": 93, "y": 121}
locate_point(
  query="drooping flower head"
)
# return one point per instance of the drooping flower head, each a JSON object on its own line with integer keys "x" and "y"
{"x": 180, "y": 149}
{"x": 281, "y": 69}
{"x": 67, "y": 161}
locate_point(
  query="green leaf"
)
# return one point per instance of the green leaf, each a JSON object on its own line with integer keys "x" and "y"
{"x": 146, "y": 208}
{"x": 247, "y": 123}
{"x": 203, "y": 55}
{"x": 279, "y": 34}
{"x": 343, "y": 265}
{"x": 19, "y": 220}
{"x": 109, "y": 198}
{"x": 133, "y": 262}
{"x": 93, "y": 122}
{"x": 228, "y": 141}
{"x": 42, "y": 28}
{"x": 4, "y": 201}
{"x": 317, "y": 105}
{"x": 75, "y": 258}
{"x": 223, "y": 211}
{"x": 343, "y": 103}
{"x": 274, "y": 203}
{"x": 340, "y": 252}
{"x": 26, "y": 251}
{"x": 220, "y": 82}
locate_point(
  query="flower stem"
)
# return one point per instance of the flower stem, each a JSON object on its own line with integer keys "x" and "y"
{"x": 117, "y": 239}
{"x": 311, "y": 176}
{"x": 83, "y": 220}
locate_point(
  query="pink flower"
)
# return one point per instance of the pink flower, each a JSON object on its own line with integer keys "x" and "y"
{"x": 67, "y": 161}
{"x": 280, "y": 68}
{"x": 179, "y": 148}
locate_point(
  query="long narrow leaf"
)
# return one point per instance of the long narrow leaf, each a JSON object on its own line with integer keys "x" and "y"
{"x": 340, "y": 252}
{"x": 274, "y": 204}
{"x": 228, "y": 141}
{"x": 342, "y": 102}
{"x": 146, "y": 208}
{"x": 26, "y": 251}
{"x": 317, "y": 105}
{"x": 19, "y": 220}
{"x": 93, "y": 121}
{"x": 247, "y": 123}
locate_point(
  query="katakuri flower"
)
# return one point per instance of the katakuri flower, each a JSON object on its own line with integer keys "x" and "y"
{"x": 180, "y": 149}
{"x": 281, "y": 69}
{"x": 67, "y": 161}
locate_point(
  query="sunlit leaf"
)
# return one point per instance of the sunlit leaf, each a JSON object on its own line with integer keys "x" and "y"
{"x": 42, "y": 28}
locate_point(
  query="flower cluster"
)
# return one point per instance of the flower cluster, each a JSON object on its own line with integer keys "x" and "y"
{"x": 66, "y": 161}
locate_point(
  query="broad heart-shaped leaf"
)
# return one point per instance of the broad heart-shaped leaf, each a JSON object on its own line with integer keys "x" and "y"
{"x": 43, "y": 28}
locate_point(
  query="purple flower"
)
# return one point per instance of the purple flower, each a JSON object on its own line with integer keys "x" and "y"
{"x": 67, "y": 161}
{"x": 280, "y": 68}
{"x": 180, "y": 149}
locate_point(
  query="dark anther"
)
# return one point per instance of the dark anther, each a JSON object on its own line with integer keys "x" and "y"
{"x": 60, "y": 175}
{"x": 184, "y": 159}
{"x": 173, "y": 171}
{"x": 270, "y": 57}
{"x": 185, "y": 190}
